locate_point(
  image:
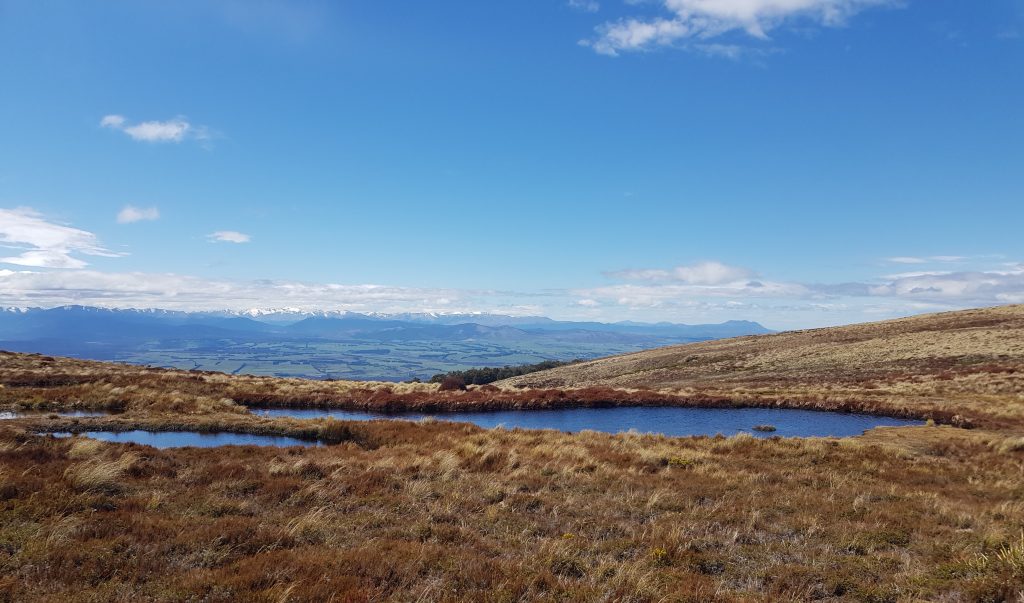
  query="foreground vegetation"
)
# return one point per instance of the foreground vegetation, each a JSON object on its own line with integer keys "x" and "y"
{"x": 432, "y": 511}
{"x": 437, "y": 511}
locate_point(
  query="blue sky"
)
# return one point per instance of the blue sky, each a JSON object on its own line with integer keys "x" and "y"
{"x": 796, "y": 162}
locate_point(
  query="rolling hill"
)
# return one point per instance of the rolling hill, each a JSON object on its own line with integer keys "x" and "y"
{"x": 973, "y": 358}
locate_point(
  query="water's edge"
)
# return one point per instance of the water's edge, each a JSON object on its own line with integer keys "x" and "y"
{"x": 671, "y": 421}
{"x": 658, "y": 420}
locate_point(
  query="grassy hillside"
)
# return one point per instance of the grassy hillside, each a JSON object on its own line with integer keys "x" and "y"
{"x": 972, "y": 361}
{"x": 433, "y": 511}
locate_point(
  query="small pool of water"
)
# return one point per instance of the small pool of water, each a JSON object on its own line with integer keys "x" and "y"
{"x": 44, "y": 413}
{"x": 179, "y": 439}
{"x": 670, "y": 421}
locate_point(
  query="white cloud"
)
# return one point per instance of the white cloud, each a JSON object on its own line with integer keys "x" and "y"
{"x": 913, "y": 274}
{"x": 228, "y": 236}
{"x": 112, "y": 121}
{"x": 703, "y": 20}
{"x": 926, "y": 260}
{"x": 701, "y": 273}
{"x": 705, "y": 291}
{"x": 182, "y": 292}
{"x": 172, "y": 130}
{"x": 130, "y": 214}
{"x": 656, "y": 288}
{"x": 590, "y": 6}
{"x": 967, "y": 287}
{"x": 657, "y": 295}
{"x": 42, "y": 244}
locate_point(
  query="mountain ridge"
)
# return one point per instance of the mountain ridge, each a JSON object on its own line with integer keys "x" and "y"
{"x": 328, "y": 344}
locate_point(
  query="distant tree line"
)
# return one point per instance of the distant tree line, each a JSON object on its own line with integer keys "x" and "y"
{"x": 483, "y": 376}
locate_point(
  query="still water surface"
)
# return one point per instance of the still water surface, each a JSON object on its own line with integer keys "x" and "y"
{"x": 64, "y": 413}
{"x": 664, "y": 420}
{"x": 177, "y": 439}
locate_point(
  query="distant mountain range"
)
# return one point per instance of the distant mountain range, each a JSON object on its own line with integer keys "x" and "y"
{"x": 329, "y": 344}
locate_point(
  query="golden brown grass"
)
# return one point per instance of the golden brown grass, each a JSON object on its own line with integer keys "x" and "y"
{"x": 97, "y": 475}
{"x": 432, "y": 511}
{"x": 436, "y": 511}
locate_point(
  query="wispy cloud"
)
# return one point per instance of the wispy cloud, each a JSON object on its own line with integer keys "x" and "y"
{"x": 926, "y": 259}
{"x": 130, "y": 214}
{"x": 703, "y": 20}
{"x": 177, "y": 129}
{"x": 43, "y": 244}
{"x": 701, "y": 274}
{"x": 590, "y": 6}
{"x": 228, "y": 236}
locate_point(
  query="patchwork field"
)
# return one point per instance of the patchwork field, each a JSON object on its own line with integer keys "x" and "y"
{"x": 313, "y": 359}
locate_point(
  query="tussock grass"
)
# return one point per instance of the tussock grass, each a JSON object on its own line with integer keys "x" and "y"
{"x": 99, "y": 475}
{"x": 1012, "y": 444}
{"x": 452, "y": 512}
{"x": 83, "y": 448}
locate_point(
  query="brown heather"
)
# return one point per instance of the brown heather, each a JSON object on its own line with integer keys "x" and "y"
{"x": 432, "y": 511}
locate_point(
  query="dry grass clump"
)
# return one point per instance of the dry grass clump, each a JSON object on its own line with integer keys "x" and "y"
{"x": 1012, "y": 444}
{"x": 83, "y": 448}
{"x": 303, "y": 468}
{"x": 99, "y": 475}
{"x": 997, "y": 575}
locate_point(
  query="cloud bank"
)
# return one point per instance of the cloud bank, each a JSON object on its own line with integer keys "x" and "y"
{"x": 655, "y": 288}
{"x": 183, "y": 292}
{"x": 51, "y": 272}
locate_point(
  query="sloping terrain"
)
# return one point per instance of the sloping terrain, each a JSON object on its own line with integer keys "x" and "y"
{"x": 436, "y": 511}
{"x": 971, "y": 360}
